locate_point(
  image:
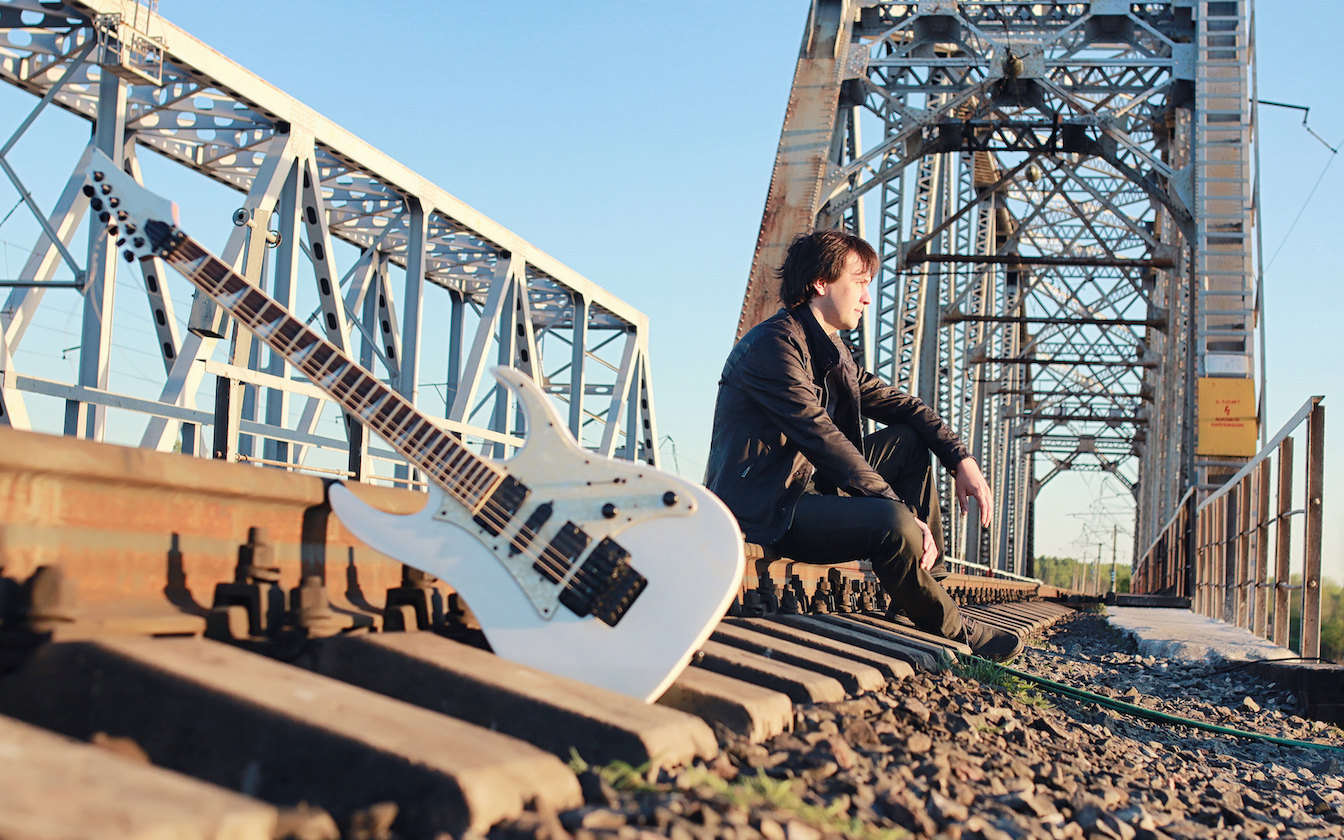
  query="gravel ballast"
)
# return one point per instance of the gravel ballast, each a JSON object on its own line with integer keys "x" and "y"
{"x": 948, "y": 756}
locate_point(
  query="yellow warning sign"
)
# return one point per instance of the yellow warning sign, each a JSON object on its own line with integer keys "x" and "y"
{"x": 1227, "y": 417}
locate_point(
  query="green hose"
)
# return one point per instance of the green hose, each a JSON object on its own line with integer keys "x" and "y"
{"x": 1160, "y": 717}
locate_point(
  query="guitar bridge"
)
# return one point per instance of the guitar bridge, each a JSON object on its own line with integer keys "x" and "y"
{"x": 605, "y": 585}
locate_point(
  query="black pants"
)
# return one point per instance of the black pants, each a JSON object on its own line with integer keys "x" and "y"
{"x": 837, "y": 529}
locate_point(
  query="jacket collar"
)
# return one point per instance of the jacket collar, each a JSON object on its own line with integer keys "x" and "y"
{"x": 825, "y": 354}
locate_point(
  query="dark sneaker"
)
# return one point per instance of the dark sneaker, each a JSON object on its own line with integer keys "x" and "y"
{"x": 989, "y": 642}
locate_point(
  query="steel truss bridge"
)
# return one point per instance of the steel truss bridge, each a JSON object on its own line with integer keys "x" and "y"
{"x": 305, "y": 185}
{"x": 1061, "y": 195}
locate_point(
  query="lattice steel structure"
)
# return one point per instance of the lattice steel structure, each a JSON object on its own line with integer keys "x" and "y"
{"x": 306, "y": 185}
{"x": 1060, "y": 194}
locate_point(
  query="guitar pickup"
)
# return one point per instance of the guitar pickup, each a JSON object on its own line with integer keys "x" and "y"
{"x": 605, "y": 585}
{"x": 502, "y": 505}
{"x": 528, "y": 532}
{"x": 558, "y": 557}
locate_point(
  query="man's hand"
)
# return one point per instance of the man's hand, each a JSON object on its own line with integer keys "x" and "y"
{"x": 971, "y": 483}
{"x": 930, "y": 555}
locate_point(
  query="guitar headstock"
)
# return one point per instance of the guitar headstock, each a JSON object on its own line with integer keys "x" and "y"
{"x": 125, "y": 208}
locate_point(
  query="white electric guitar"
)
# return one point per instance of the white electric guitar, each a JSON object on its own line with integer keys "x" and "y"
{"x": 531, "y": 544}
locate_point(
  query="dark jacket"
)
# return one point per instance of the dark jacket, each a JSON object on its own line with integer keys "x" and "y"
{"x": 772, "y": 429}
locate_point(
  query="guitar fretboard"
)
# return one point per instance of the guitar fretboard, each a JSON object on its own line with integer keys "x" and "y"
{"x": 463, "y": 474}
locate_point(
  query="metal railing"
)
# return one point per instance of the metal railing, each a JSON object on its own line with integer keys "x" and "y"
{"x": 1216, "y": 550}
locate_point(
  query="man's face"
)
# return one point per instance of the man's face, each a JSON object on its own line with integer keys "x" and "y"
{"x": 839, "y": 305}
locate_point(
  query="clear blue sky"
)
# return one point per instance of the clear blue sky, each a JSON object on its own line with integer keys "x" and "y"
{"x": 634, "y": 142}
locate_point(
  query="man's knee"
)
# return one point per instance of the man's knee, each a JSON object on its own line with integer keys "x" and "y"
{"x": 901, "y": 541}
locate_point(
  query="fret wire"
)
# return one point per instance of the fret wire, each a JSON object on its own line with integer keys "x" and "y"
{"x": 366, "y": 398}
{"x": 346, "y": 383}
{"x": 254, "y": 308}
{"x": 268, "y": 320}
{"x": 435, "y": 456}
{"x": 464, "y": 472}
{"x": 376, "y": 405}
{"x": 424, "y": 433}
{"x": 416, "y": 431}
{"x": 324, "y": 370}
{"x": 331, "y": 370}
{"x": 476, "y": 474}
{"x": 414, "y": 423}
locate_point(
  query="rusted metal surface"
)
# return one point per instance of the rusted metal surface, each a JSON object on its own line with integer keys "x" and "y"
{"x": 773, "y": 584}
{"x": 804, "y": 152}
{"x": 151, "y": 534}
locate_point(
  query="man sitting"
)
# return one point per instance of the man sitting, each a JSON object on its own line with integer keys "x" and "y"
{"x": 789, "y": 459}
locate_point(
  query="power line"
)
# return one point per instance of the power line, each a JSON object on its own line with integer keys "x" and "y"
{"x": 1330, "y": 160}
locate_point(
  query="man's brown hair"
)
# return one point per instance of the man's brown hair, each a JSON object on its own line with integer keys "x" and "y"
{"x": 819, "y": 255}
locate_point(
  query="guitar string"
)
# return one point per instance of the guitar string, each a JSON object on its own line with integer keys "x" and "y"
{"x": 549, "y": 558}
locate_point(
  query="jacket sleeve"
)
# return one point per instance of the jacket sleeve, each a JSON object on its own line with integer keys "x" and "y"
{"x": 773, "y": 375}
{"x": 888, "y": 404}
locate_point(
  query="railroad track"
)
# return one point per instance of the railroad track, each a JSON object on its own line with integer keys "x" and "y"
{"x": 219, "y": 628}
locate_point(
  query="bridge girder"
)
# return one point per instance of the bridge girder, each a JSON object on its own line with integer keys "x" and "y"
{"x": 305, "y": 183}
{"x": 1037, "y": 180}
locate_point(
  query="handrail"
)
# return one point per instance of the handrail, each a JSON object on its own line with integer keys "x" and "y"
{"x": 1217, "y": 552}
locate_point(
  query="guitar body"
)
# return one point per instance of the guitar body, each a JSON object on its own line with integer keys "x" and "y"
{"x": 693, "y": 562}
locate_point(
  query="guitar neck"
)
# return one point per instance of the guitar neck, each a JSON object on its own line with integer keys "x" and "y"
{"x": 463, "y": 474}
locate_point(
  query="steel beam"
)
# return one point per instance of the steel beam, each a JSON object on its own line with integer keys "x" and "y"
{"x": 100, "y": 277}
{"x": 1085, "y": 149}
{"x": 801, "y": 164}
{"x": 309, "y": 184}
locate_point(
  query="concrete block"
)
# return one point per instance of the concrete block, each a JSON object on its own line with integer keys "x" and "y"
{"x": 749, "y": 710}
{"x": 903, "y": 629}
{"x": 889, "y": 666}
{"x": 997, "y": 618}
{"x": 55, "y": 788}
{"x": 1181, "y": 634}
{"x": 546, "y": 710}
{"x": 800, "y": 684}
{"x": 856, "y": 677}
{"x": 868, "y": 638}
{"x": 283, "y": 734}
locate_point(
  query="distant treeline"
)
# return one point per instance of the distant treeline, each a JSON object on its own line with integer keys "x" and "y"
{"x": 1068, "y": 573}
